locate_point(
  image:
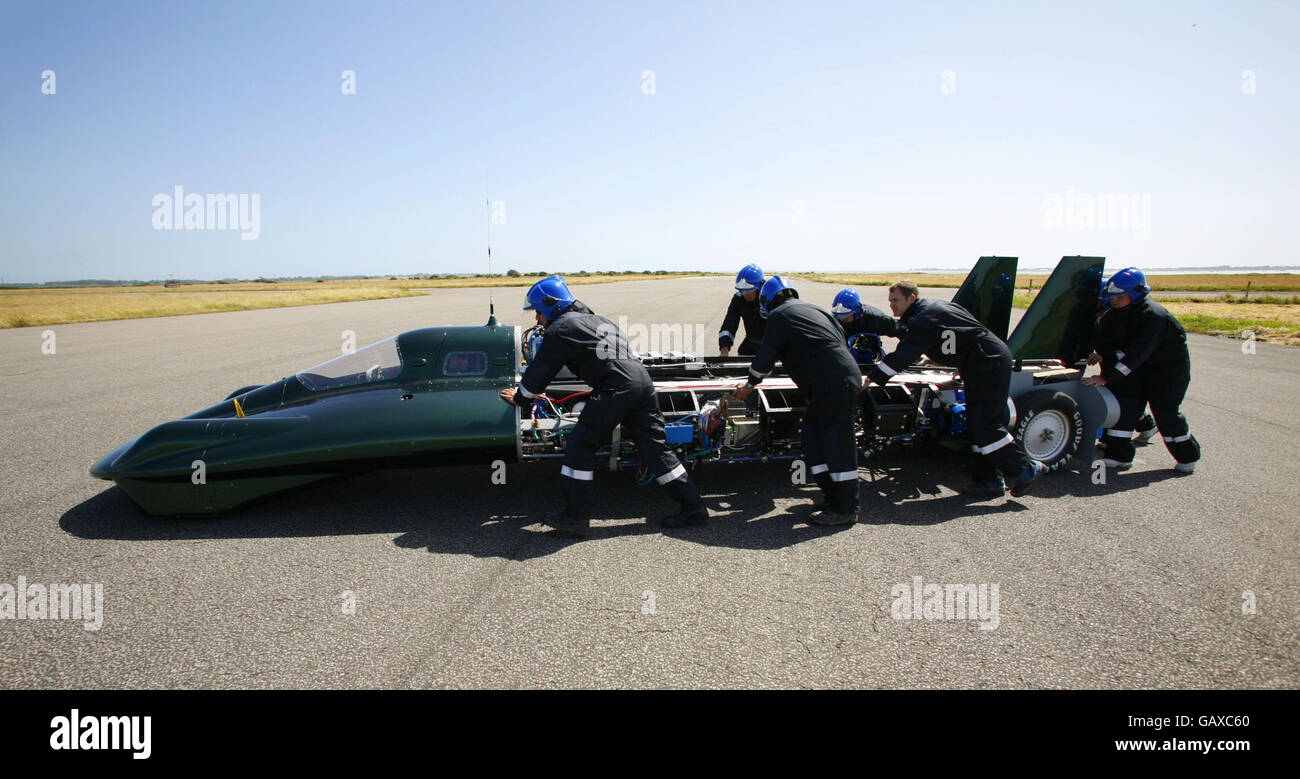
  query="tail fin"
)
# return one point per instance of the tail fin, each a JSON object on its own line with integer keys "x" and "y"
{"x": 1058, "y": 323}
{"x": 986, "y": 293}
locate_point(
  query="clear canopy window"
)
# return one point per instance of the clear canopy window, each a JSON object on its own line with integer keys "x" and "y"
{"x": 377, "y": 362}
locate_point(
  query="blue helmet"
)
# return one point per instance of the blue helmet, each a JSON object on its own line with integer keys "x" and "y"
{"x": 750, "y": 277}
{"x": 774, "y": 291}
{"x": 1130, "y": 281}
{"x": 866, "y": 347}
{"x": 847, "y": 302}
{"x": 550, "y": 296}
{"x": 1105, "y": 296}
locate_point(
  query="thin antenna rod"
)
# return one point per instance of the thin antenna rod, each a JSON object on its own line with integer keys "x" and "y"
{"x": 487, "y": 200}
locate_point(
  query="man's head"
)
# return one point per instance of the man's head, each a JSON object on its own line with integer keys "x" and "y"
{"x": 902, "y": 295}
{"x": 775, "y": 291}
{"x": 846, "y": 306}
{"x": 549, "y": 297}
{"x": 1125, "y": 287}
{"x": 749, "y": 281}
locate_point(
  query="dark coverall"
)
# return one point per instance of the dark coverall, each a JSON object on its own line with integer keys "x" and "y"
{"x": 1105, "y": 342}
{"x": 809, "y": 342}
{"x": 872, "y": 320}
{"x": 1152, "y": 366}
{"x": 985, "y": 365}
{"x": 738, "y": 310}
{"x": 621, "y": 393}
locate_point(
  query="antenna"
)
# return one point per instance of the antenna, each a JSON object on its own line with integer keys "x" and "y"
{"x": 487, "y": 201}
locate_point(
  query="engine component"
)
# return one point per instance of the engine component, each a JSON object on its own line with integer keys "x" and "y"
{"x": 743, "y": 433}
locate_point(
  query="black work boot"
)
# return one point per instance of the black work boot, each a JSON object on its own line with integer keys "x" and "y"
{"x": 693, "y": 511}
{"x": 841, "y": 505}
{"x": 575, "y": 518}
{"x": 827, "y": 486}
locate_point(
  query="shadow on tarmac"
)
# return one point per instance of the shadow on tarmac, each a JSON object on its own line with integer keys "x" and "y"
{"x": 459, "y": 511}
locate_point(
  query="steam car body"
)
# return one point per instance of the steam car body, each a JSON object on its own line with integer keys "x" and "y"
{"x": 430, "y": 397}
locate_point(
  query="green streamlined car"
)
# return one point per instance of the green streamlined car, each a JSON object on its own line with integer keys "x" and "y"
{"x": 430, "y": 397}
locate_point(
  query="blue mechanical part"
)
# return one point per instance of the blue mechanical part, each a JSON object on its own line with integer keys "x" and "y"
{"x": 680, "y": 434}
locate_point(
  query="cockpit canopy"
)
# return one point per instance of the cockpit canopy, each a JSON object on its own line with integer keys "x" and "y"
{"x": 378, "y": 362}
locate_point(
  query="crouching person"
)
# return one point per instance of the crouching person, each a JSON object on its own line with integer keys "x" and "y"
{"x": 621, "y": 393}
{"x": 1152, "y": 367}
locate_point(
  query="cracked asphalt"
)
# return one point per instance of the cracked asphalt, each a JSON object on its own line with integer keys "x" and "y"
{"x": 1142, "y": 582}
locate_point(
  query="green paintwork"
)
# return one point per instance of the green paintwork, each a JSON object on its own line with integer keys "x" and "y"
{"x": 987, "y": 292}
{"x": 1059, "y": 321}
{"x": 292, "y": 435}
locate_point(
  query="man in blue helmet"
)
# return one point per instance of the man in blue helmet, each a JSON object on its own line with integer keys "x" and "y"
{"x": 621, "y": 394}
{"x": 1152, "y": 367}
{"x": 1106, "y": 352}
{"x": 743, "y": 307}
{"x": 809, "y": 342}
{"x": 860, "y": 322}
{"x": 949, "y": 335}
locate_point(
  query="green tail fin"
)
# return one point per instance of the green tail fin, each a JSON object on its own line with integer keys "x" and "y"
{"x": 1058, "y": 323}
{"x": 986, "y": 293}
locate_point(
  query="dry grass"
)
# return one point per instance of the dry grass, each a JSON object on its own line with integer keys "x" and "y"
{"x": 1277, "y": 321}
{"x": 20, "y": 308}
{"x": 61, "y": 305}
{"x": 1185, "y": 282}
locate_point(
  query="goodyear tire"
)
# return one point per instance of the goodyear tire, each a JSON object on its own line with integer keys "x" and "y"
{"x": 1049, "y": 425}
{"x": 242, "y": 390}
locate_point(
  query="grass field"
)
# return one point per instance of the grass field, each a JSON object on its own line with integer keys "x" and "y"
{"x": 31, "y": 307}
{"x": 1276, "y": 320}
{"x": 1270, "y": 317}
{"x": 1186, "y": 282}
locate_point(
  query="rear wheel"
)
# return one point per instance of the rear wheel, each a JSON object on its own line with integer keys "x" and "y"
{"x": 1049, "y": 425}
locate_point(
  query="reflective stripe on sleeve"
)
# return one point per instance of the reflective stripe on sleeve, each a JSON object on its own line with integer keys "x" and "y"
{"x": 726, "y": 334}
{"x": 675, "y": 473}
{"x": 1175, "y": 439}
{"x": 579, "y": 475}
{"x": 885, "y": 369}
{"x": 1119, "y": 354}
{"x": 1122, "y": 368}
{"x": 1120, "y": 433}
{"x": 816, "y": 469}
{"x": 526, "y": 393}
{"x": 844, "y": 476}
{"x": 998, "y": 444}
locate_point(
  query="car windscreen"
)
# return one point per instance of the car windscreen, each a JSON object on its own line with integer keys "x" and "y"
{"x": 377, "y": 362}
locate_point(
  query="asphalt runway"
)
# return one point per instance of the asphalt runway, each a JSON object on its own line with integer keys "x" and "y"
{"x": 1144, "y": 581}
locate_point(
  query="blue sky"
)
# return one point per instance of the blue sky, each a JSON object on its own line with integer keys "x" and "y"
{"x": 844, "y": 136}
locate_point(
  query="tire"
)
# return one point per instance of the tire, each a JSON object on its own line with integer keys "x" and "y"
{"x": 242, "y": 390}
{"x": 1049, "y": 426}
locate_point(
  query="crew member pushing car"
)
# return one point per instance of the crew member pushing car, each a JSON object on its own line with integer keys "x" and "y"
{"x": 809, "y": 342}
{"x": 1106, "y": 352}
{"x": 621, "y": 393}
{"x": 1153, "y": 367}
{"x": 948, "y": 334}
{"x": 743, "y": 307}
